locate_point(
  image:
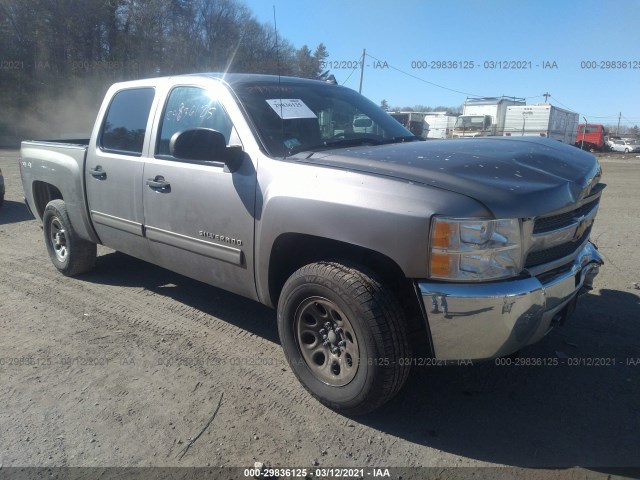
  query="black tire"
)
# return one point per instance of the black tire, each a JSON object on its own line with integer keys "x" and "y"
{"x": 69, "y": 253}
{"x": 359, "y": 318}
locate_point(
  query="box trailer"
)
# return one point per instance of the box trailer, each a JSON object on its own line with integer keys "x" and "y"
{"x": 542, "y": 120}
{"x": 440, "y": 124}
{"x": 414, "y": 121}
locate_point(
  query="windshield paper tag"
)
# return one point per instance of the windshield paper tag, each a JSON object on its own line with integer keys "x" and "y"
{"x": 288, "y": 108}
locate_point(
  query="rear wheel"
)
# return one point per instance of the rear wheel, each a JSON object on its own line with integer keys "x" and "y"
{"x": 69, "y": 253}
{"x": 344, "y": 336}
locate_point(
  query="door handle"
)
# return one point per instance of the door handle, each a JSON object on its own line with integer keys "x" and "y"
{"x": 159, "y": 183}
{"x": 98, "y": 173}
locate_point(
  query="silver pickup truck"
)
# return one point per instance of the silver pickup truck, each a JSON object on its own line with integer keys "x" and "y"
{"x": 371, "y": 244}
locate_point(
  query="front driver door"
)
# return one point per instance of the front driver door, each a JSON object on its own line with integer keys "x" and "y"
{"x": 199, "y": 216}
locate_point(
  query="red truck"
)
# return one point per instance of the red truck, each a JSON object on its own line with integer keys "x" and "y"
{"x": 590, "y": 137}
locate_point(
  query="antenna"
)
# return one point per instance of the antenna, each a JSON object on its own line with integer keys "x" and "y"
{"x": 364, "y": 53}
{"x": 275, "y": 28}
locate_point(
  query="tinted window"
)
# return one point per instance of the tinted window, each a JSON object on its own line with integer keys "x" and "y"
{"x": 191, "y": 107}
{"x": 126, "y": 121}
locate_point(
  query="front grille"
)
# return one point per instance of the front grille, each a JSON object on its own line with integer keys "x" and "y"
{"x": 547, "y": 224}
{"x": 559, "y": 251}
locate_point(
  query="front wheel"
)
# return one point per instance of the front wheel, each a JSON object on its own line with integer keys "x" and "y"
{"x": 69, "y": 253}
{"x": 344, "y": 336}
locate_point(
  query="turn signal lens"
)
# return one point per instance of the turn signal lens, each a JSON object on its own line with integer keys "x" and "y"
{"x": 440, "y": 264}
{"x": 441, "y": 235}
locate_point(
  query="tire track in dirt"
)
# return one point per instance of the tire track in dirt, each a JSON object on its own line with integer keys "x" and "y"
{"x": 145, "y": 316}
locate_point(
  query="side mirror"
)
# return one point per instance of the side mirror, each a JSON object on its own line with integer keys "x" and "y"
{"x": 205, "y": 144}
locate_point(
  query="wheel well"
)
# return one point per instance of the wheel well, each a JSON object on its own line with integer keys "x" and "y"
{"x": 43, "y": 193}
{"x": 292, "y": 251}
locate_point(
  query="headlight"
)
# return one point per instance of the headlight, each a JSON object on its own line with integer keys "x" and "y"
{"x": 475, "y": 250}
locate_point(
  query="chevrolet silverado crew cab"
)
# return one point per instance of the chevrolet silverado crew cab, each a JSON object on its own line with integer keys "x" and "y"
{"x": 371, "y": 244}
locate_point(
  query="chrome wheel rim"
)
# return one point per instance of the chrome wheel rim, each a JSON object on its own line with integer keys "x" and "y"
{"x": 58, "y": 239}
{"x": 327, "y": 341}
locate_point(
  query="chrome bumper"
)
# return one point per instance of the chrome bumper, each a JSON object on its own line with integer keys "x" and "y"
{"x": 477, "y": 321}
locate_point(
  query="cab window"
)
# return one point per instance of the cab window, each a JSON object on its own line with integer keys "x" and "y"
{"x": 126, "y": 121}
{"x": 187, "y": 108}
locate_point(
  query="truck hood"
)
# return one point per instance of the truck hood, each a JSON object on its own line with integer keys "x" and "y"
{"x": 513, "y": 177}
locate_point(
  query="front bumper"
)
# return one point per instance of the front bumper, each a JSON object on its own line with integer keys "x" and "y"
{"x": 478, "y": 321}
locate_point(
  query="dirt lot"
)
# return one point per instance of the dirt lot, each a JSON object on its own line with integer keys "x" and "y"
{"x": 123, "y": 366}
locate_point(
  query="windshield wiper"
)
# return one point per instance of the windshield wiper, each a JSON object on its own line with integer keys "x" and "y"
{"x": 351, "y": 142}
{"x": 406, "y": 138}
{"x": 342, "y": 142}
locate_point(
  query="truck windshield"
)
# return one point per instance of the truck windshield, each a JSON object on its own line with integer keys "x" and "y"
{"x": 469, "y": 123}
{"x": 295, "y": 117}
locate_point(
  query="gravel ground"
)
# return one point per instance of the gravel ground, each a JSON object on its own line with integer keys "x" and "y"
{"x": 125, "y": 366}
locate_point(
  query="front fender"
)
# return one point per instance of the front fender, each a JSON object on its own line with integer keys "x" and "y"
{"x": 385, "y": 215}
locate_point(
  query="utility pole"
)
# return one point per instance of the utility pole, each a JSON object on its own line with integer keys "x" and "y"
{"x": 364, "y": 52}
{"x": 546, "y": 96}
{"x": 618, "y": 128}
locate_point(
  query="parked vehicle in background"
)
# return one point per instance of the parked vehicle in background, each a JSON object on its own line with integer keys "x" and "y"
{"x": 412, "y": 121}
{"x": 609, "y": 140}
{"x": 541, "y": 120}
{"x": 371, "y": 246}
{"x": 626, "y": 146}
{"x": 1, "y": 188}
{"x": 363, "y": 124}
{"x": 440, "y": 125}
{"x": 484, "y": 117}
{"x": 591, "y": 136}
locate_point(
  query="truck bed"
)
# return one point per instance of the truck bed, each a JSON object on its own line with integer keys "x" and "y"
{"x": 60, "y": 163}
{"x": 75, "y": 142}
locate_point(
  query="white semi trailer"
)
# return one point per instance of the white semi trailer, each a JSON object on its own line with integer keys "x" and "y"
{"x": 542, "y": 120}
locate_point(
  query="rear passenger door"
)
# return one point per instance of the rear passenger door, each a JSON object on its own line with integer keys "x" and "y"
{"x": 114, "y": 168}
{"x": 198, "y": 215}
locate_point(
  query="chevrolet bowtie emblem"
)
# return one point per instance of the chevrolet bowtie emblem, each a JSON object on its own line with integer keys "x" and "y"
{"x": 580, "y": 229}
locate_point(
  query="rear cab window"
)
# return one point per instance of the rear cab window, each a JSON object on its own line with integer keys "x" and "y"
{"x": 125, "y": 122}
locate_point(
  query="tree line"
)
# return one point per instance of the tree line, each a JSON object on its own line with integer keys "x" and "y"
{"x": 54, "y": 53}
{"x": 422, "y": 108}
